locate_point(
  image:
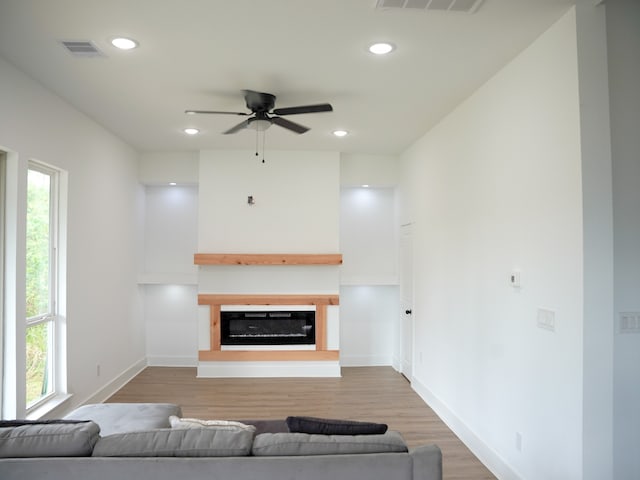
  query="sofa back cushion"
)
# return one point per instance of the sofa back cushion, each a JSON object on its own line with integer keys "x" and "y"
{"x": 191, "y": 442}
{"x": 49, "y": 439}
{"x": 292, "y": 444}
{"x": 126, "y": 417}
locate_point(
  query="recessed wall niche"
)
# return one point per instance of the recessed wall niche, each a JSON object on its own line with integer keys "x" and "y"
{"x": 168, "y": 280}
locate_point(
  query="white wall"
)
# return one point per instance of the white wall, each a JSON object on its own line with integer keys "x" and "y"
{"x": 623, "y": 27}
{"x": 160, "y": 168}
{"x": 368, "y": 240}
{"x": 369, "y": 226}
{"x": 169, "y": 276}
{"x": 495, "y": 187}
{"x": 368, "y": 236}
{"x": 368, "y": 277}
{"x": 171, "y": 228}
{"x": 357, "y": 169}
{"x": 597, "y": 221}
{"x": 369, "y": 302}
{"x": 368, "y": 324}
{"x": 104, "y": 210}
{"x": 296, "y": 210}
{"x": 171, "y": 317}
{"x": 296, "y": 202}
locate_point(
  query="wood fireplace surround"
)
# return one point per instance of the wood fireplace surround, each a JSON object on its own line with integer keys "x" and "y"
{"x": 216, "y": 301}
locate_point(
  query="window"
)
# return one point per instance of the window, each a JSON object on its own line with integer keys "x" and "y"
{"x": 3, "y": 229}
{"x": 41, "y": 284}
{"x": 33, "y": 200}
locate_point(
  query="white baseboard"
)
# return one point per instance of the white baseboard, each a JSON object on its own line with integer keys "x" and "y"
{"x": 396, "y": 363}
{"x": 364, "y": 360}
{"x": 486, "y": 454}
{"x": 268, "y": 369}
{"x": 117, "y": 383}
{"x": 169, "y": 361}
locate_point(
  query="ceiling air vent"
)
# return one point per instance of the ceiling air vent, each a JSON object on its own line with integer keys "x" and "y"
{"x": 82, "y": 48}
{"x": 465, "y": 6}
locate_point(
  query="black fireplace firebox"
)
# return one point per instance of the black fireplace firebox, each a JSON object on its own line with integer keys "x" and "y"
{"x": 268, "y": 328}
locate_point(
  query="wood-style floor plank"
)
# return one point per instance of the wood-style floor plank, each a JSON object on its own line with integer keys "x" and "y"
{"x": 377, "y": 394}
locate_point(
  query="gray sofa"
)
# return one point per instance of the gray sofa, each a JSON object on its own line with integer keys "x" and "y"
{"x": 136, "y": 441}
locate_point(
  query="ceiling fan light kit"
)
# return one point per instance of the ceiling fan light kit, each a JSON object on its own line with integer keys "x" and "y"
{"x": 258, "y": 124}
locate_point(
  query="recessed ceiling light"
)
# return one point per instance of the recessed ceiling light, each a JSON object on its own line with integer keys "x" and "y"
{"x": 173, "y": 184}
{"x": 365, "y": 186}
{"x": 124, "y": 43}
{"x": 381, "y": 48}
{"x": 191, "y": 131}
{"x": 340, "y": 133}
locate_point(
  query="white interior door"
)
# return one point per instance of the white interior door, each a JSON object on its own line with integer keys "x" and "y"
{"x": 406, "y": 301}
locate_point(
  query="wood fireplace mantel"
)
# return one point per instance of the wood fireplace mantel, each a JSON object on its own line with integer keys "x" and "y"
{"x": 267, "y": 259}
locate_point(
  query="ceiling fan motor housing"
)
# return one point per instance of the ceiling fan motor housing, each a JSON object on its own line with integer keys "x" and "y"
{"x": 259, "y": 102}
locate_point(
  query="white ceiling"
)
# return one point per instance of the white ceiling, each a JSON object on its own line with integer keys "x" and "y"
{"x": 200, "y": 54}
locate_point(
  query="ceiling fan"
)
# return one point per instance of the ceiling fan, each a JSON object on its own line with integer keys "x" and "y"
{"x": 263, "y": 114}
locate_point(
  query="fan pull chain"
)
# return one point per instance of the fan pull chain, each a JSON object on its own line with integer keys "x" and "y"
{"x": 257, "y": 133}
{"x": 258, "y": 142}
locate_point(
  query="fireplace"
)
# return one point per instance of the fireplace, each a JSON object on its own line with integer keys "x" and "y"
{"x": 250, "y": 356}
{"x": 265, "y": 327}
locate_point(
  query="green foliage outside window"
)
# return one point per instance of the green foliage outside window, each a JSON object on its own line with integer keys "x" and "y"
{"x": 38, "y": 284}
{"x": 38, "y": 244}
{"x": 38, "y": 349}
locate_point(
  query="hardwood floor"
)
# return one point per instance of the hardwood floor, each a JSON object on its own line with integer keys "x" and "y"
{"x": 365, "y": 393}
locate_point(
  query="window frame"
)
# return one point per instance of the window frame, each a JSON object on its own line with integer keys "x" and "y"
{"x": 3, "y": 203}
{"x": 52, "y": 316}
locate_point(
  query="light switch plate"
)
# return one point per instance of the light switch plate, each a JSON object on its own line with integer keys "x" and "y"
{"x": 629, "y": 322}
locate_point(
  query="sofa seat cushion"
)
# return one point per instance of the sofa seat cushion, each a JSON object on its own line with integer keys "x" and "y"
{"x": 293, "y": 444}
{"x": 56, "y": 439}
{"x": 126, "y": 417}
{"x": 188, "y": 442}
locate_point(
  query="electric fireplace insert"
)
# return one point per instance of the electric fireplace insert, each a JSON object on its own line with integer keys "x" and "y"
{"x": 267, "y": 328}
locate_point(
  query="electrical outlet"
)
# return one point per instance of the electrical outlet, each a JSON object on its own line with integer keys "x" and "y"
{"x": 546, "y": 319}
{"x": 518, "y": 441}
